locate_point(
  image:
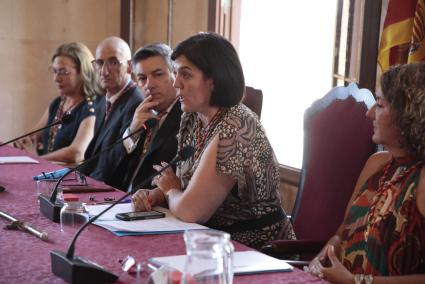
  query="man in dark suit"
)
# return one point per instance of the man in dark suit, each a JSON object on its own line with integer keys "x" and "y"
{"x": 115, "y": 109}
{"x": 155, "y": 77}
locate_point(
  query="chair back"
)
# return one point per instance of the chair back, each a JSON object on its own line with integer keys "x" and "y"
{"x": 253, "y": 99}
{"x": 337, "y": 143}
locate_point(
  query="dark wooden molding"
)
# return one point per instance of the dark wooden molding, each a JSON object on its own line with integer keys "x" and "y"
{"x": 225, "y": 19}
{"x": 126, "y": 21}
{"x": 170, "y": 22}
{"x": 370, "y": 44}
{"x": 349, "y": 42}
{"x": 212, "y": 15}
{"x": 337, "y": 41}
{"x": 289, "y": 175}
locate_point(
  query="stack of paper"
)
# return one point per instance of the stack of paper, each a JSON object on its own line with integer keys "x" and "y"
{"x": 17, "y": 160}
{"x": 245, "y": 262}
{"x": 169, "y": 224}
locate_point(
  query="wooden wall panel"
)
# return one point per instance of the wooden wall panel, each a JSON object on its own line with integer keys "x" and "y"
{"x": 151, "y": 20}
{"x": 288, "y": 194}
{"x": 186, "y": 24}
{"x": 289, "y": 180}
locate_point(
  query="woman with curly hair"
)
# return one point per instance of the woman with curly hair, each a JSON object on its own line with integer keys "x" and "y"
{"x": 382, "y": 238}
{"x": 76, "y": 82}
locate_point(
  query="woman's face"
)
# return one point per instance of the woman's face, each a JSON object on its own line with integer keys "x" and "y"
{"x": 193, "y": 89}
{"x": 385, "y": 132}
{"x": 65, "y": 75}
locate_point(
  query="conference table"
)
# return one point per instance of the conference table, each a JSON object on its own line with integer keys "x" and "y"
{"x": 25, "y": 258}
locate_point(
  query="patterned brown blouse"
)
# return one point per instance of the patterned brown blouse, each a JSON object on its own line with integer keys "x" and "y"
{"x": 251, "y": 213}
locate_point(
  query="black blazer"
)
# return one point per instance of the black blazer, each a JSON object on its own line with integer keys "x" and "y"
{"x": 163, "y": 147}
{"x": 109, "y": 131}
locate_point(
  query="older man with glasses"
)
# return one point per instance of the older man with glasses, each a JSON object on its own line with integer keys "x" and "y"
{"x": 114, "y": 110}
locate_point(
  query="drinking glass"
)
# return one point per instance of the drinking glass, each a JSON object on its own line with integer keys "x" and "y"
{"x": 72, "y": 216}
{"x": 209, "y": 257}
{"x": 46, "y": 186}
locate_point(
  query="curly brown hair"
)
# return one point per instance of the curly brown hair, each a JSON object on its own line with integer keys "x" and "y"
{"x": 404, "y": 88}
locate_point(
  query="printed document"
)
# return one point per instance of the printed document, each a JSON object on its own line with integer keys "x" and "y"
{"x": 169, "y": 224}
{"x": 245, "y": 262}
{"x": 17, "y": 160}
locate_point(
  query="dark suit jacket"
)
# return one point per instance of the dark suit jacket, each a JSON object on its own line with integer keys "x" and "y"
{"x": 109, "y": 131}
{"x": 163, "y": 147}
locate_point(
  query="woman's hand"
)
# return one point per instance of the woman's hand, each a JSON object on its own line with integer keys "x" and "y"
{"x": 322, "y": 260}
{"x": 318, "y": 263}
{"x": 145, "y": 199}
{"x": 167, "y": 180}
{"x": 28, "y": 144}
{"x": 336, "y": 273}
{"x": 315, "y": 267}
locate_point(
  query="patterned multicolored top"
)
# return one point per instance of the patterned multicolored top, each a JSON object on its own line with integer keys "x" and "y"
{"x": 251, "y": 213}
{"x": 384, "y": 233}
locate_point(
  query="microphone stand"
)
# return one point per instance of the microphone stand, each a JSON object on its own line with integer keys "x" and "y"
{"x": 74, "y": 269}
{"x": 66, "y": 119}
{"x": 48, "y": 205}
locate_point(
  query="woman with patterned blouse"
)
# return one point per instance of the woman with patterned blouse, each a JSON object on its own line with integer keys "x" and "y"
{"x": 76, "y": 82}
{"x": 382, "y": 238}
{"x": 231, "y": 182}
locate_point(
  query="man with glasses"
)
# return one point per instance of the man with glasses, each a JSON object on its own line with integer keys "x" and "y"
{"x": 116, "y": 108}
{"x": 155, "y": 77}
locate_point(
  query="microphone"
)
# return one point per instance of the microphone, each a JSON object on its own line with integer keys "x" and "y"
{"x": 182, "y": 155}
{"x": 67, "y": 118}
{"x": 74, "y": 269}
{"x": 48, "y": 205}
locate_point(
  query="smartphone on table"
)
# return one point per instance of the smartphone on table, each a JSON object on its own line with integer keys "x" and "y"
{"x": 143, "y": 215}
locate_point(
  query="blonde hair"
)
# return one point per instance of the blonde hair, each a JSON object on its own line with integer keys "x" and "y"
{"x": 81, "y": 55}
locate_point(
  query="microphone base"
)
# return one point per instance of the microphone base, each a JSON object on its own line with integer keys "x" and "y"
{"x": 78, "y": 270}
{"x": 50, "y": 210}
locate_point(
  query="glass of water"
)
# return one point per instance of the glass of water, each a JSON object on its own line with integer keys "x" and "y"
{"x": 209, "y": 257}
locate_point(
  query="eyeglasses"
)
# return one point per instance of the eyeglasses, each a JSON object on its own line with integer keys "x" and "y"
{"x": 61, "y": 72}
{"x": 111, "y": 63}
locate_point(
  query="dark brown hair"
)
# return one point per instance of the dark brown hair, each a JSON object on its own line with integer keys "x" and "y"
{"x": 403, "y": 86}
{"x": 216, "y": 57}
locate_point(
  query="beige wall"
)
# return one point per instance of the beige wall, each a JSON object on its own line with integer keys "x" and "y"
{"x": 30, "y": 30}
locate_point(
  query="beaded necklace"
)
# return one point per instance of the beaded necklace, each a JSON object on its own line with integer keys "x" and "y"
{"x": 385, "y": 186}
{"x": 203, "y": 134}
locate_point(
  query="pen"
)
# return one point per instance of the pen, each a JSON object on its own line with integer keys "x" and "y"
{"x": 151, "y": 266}
{"x": 127, "y": 200}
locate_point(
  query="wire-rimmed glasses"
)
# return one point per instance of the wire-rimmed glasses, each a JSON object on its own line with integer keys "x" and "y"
{"x": 112, "y": 63}
{"x": 60, "y": 72}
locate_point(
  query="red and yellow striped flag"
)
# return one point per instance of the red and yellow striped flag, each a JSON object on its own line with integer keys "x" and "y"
{"x": 403, "y": 37}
